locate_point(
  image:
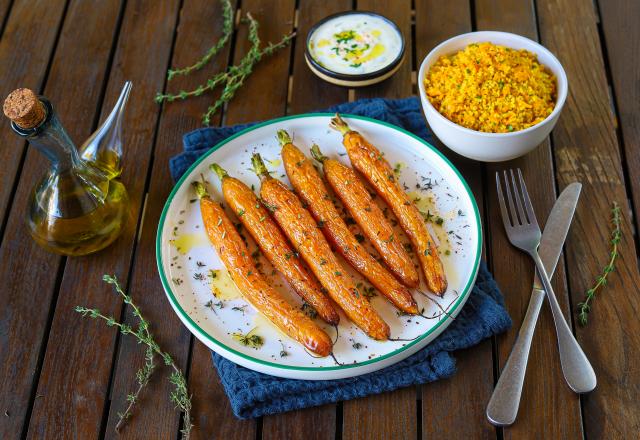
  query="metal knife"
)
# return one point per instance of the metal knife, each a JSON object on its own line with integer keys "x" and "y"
{"x": 577, "y": 371}
{"x": 505, "y": 400}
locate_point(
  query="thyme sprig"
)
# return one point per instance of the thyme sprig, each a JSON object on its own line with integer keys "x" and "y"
{"x": 227, "y": 30}
{"x": 250, "y": 339}
{"x": 234, "y": 77}
{"x": 180, "y": 395}
{"x": 239, "y": 73}
{"x": 585, "y": 307}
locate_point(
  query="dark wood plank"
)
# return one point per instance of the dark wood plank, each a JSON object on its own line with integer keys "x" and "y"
{"x": 156, "y": 417}
{"x": 308, "y": 93}
{"x": 399, "y": 85}
{"x": 469, "y": 390}
{"x": 390, "y": 414}
{"x": 264, "y": 94}
{"x": 544, "y": 375}
{"x": 382, "y": 416}
{"x": 213, "y": 417}
{"x": 5, "y": 9}
{"x": 18, "y": 70}
{"x": 26, "y": 269}
{"x": 622, "y": 41}
{"x": 586, "y": 149}
{"x": 317, "y": 423}
{"x": 466, "y": 394}
{"x": 434, "y": 24}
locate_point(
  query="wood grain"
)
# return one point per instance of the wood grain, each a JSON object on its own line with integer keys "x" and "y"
{"x": 310, "y": 424}
{"x": 17, "y": 70}
{"x": 622, "y": 42}
{"x": 361, "y": 417}
{"x": 268, "y": 84}
{"x": 444, "y": 401}
{"x": 26, "y": 269}
{"x": 398, "y": 85}
{"x": 586, "y": 149}
{"x": 308, "y": 92}
{"x": 5, "y": 8}
{"x": 514, "y": 270}
{"x": 213, "y": 417}
{"x": 469, "y": 390}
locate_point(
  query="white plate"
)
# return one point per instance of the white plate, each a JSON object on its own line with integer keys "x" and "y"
{"x": 185, "y": 257}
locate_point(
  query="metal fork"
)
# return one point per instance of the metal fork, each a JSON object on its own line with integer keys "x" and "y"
{"x": 524, "y": 233}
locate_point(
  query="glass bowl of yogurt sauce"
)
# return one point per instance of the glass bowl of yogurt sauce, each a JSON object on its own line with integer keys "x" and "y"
{"x": 354, "y": 48}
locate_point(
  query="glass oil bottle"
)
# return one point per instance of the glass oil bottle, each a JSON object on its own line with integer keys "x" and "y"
{"x": 80, "y": 206}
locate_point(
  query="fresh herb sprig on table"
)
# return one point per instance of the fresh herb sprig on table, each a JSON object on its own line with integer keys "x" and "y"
{"x": 180, "y": 396}
{"x": 585, "y": 307}
{"x": 227, "y": 30}
{"x": 231, "y": 79}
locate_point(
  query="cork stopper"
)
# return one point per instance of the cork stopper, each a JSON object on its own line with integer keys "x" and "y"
{"x": 24, "y": 108}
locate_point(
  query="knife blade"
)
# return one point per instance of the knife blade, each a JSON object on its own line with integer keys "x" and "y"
{"x": 505, "y": 400}
{"x": 556, "y": 229}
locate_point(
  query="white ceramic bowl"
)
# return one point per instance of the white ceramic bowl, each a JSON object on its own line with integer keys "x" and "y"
{"x": 491, "y": 147}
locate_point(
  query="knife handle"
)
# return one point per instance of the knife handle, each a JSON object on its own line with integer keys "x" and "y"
{"x": 505, "y": 400}
{"x": 576, "y": 368}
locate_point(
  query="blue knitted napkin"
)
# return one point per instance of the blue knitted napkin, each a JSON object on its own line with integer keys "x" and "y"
{"x": 255, "y": 394}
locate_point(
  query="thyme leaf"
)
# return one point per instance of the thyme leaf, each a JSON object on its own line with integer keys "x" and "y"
{"x": 249, "y": 339}
{"x": 585, "y": 306}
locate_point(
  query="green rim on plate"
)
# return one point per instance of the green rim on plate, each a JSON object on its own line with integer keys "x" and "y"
{"x": 185, "y": 316}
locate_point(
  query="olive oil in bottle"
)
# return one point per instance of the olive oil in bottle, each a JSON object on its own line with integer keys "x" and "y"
{"x": 79, "y": 207}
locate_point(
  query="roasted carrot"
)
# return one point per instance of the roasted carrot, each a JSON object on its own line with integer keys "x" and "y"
{"x": 357, "y": 199}
{"x": 309, "y": 185}
{"x": 303, "y": 232}
{"x": 274, "y": 245}
{"x": 371, "y": 163}
{"x": 253, "y": 286}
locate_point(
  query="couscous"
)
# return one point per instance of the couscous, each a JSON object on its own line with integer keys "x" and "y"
{"x": 491, "y": 88}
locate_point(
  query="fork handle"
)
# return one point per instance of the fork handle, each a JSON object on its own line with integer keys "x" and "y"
{"x": 576, "y": 368}
{"x": 505, "y": 400}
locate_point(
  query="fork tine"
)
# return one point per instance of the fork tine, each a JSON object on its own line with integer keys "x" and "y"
{"x": 512, "y": 206}
{"x": 518, "y": 197}
{"x": 527, "y": 200}
{"x": 503, "y": 207}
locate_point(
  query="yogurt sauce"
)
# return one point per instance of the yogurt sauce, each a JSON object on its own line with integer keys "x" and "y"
{"x": 355, "y": 44}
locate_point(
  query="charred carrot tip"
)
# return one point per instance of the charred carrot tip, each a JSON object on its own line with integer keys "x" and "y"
{"x": 283, "y": 137}
{"x": 259, "y": 167}
{"x": 220, "y": 172}
{"x": 201, "y": 190}
{"x": 317, "y": 154}
{"x": 337, "y": 123}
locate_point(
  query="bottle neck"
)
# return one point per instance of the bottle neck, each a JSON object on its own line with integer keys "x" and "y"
{"x": 52, "y": 140}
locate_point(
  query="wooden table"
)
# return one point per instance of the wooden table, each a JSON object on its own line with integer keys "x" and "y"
{"x": 67, "y": 377}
